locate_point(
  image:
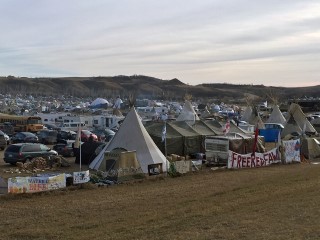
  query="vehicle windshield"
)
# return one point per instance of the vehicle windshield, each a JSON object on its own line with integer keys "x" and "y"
{"x": 29, "y": 134}
{"x": 34, "y": 121}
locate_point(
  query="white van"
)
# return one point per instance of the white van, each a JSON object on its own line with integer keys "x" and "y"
{"x": 73, "y": 126}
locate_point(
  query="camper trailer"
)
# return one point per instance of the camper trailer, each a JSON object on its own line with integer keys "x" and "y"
{"x": 217, "y": 147}
{"x": 73, "y": 126}
{"x": 217, "y": 150}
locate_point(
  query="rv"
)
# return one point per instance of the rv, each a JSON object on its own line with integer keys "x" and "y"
{"x": 73, "y": 126}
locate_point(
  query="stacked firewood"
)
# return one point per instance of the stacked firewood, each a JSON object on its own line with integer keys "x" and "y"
{"x": 38, "y": 164}
{"x": 35, "y": 165}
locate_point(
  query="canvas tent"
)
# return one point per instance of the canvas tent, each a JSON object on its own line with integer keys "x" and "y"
{"x": 203, "y": 129}
{"x": 214, "y": 125}
{"x": 132, "y": 136}
{"x": 187, "y": 113}
{"x": 120, "y": 165}
{"x": 181, "y": 139}
{"x": 184, "y": 138}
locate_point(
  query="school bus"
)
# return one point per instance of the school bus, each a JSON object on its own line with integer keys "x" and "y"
{"x": 22, "y": 123}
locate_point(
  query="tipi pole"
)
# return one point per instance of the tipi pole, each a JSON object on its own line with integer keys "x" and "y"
{"x": 79, "y": 139}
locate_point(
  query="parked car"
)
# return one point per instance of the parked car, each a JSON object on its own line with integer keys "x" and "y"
{"x": 7, "y": 128}
{"x": 6, "y": 137}
{"x": 3, "y": 142}
{"x": 51, "y": 126}
{"x": 64, "y": 135}
{"x": 23, "y": 152}
{"x": 86, "y": 134}
{"x": 104, "y": 135}
{"x": 65, "y": 149}
{"x": 47, "y": 136}
{"x": 24, "y": 137}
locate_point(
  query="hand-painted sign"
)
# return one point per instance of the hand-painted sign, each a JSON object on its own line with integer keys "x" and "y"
{"x": 236, "y": 160}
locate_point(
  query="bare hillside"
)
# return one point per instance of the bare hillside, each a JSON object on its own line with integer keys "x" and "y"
{"x": 145, "y": 87}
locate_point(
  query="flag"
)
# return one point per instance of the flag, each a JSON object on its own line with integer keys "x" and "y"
{"x": 164, "y": 132}
{"x": 226, "y": 127}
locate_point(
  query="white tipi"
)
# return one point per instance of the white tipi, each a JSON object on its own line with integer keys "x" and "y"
{"x": 133, "y": 136}
{"x": 276, "y": 116}
{"x": 188, "y": 114}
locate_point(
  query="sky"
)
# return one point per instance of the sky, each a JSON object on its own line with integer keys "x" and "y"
{"x": 274, "y": 42}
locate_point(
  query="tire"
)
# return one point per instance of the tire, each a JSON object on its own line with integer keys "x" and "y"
{"x": 71, "y": 154}
{"x": 27, "y": 160}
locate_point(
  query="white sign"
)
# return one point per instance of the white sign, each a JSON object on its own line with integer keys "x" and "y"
{"x": 292, "y": 150}
{"x": 81, "y": 177}
{"x": 183, "y": 166}
{"x": 236, "y": 160}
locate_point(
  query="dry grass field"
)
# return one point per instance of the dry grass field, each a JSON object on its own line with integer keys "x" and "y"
{"x": 276, "y": 202}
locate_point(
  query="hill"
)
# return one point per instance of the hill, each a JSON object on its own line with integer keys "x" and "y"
{"x": 145, "y": 87}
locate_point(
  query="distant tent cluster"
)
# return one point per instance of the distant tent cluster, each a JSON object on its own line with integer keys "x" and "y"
{"x": 145, "y": 144}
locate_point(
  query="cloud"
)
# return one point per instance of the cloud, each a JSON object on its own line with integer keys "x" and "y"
{"x": 195, "y": 41}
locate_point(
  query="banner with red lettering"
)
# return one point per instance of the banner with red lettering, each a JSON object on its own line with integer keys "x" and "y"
{"x": 236, "y": 160}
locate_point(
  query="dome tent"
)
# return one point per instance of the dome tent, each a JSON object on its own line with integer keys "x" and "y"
{"x": 99, "y": 103}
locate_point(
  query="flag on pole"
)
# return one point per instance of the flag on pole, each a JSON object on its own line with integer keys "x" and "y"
{"x": 226, "y": 128}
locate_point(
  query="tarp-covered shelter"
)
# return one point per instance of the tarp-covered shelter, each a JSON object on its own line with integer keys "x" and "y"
{"x": 132, "y": 136}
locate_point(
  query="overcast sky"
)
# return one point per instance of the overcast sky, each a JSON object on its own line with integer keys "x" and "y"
{"x": 270, "y": 42}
